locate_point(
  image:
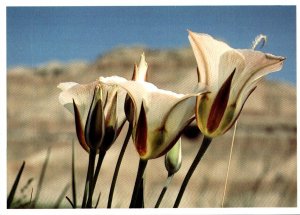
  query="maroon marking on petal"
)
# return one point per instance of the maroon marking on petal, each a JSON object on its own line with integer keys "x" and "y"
{"x": 219, "y": 105}
{"x": 198, "y": 74}
{"x": 175, "y": 139}
{"x": 95, "y": 132}
{"x": 233, "y": 121}
{"x": 79, "y": 129}
{"x": 129, "y": 108}
{"x": 141, "y": 133}
{"x": 88, "y": 123}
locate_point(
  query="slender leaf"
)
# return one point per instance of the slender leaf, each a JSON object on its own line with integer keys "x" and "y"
{"x": 73, "y": 176}
{"x": 98, "y": 200}
{"x": 71, "y": 203}
{"x": 61, "y": 196}
{"x": 41, "y": 179}
{"x": 14, "y": 187}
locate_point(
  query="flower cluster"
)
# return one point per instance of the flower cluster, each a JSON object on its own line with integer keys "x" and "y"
{"x": 157, "y": 117}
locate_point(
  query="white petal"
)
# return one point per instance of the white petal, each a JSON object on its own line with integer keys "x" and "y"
{"x": 207, "y": 51}
{"x": 142, "y": 69}
{"x": 66, "y": 85}
{"x": 121, "y": 95}
{"x": 230, "y": 61}
{"x": 166, "y": 112}
{"x": 258, "y": 65}
{"x": 180, "y": 114}
{"x": 82, "y": 95}
{"x": 145, "y": 92}
{"x": 157, "y": 105}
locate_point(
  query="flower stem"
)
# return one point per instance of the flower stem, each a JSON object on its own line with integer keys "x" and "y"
{"x": 205, "y": 143}
{"x": 95, "y": 177}
{"x": 163, "y": 191}
{"x": 89, "y": 178}
{"x": 138, "y": 182}
{"x": 117, "y": 168}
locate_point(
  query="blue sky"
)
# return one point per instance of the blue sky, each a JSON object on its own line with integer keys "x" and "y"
{"x": 36, "y": 35}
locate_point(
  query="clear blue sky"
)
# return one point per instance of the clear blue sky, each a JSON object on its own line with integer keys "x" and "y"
{"x": 36, "y": 35}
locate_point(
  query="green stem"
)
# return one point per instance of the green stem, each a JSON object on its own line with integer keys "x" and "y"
{"x": 98, "y": 167}
{"x": 163, "y": 191}
{"x": 89, "y": 178}
{"x": 94, "y": 177}
{"x": 205, "y": 143}
{"x": 115, "y": 176}
{"x": 138, "y": 181}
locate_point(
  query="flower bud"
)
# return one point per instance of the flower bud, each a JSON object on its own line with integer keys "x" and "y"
{"x": 173, "y": 158}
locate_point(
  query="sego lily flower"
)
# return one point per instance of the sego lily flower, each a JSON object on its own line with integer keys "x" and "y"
{"x": 231, "y": 76}
{"x": 159, "y": 116}
{"x": 98, "y": 111}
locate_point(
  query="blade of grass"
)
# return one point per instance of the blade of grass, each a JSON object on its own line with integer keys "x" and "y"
{"x": 71, "y": 203}
{"x": 61, "y": 196}
{"x": 41, "y": 179}
{"x": 15, "y": 185}
{"x": 98, "y": 200}
{"x": 228, "y": 167}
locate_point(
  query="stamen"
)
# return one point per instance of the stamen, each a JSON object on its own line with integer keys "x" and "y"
{"x": 259, "y": 39}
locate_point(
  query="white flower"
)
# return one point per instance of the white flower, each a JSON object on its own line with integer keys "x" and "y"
{"x": 231, "y": 76}
{"x": 159, "y": 116}
{"x": 98, "y": 111}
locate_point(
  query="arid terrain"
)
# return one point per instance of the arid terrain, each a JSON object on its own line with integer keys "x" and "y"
{"x": 263, "y": 166}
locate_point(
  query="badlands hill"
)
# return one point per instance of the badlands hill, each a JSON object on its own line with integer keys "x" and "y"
{"x": 263, "y": 171}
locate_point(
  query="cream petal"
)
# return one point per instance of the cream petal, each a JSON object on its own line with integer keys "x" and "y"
{"x": 258, "y": 65}
{"x": 135, "y": 89}
{"x": 142, "y": 69}
{"x": 121, "y": 95}
{"x": 82, "y": 95}
{"x": 180, "y": 114}
{"x": 167, "y": 115}
{"x": 233, "y": 111}
{"x": 141, "y": 91}
{"x": 230, "y": 61}
{"x": 178, "y": 117}
{"x": 207, "y": 51}
{"x": 140, "y": 72}
{"x": 158, "y": 105}
{"x": 66, "y": 85}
